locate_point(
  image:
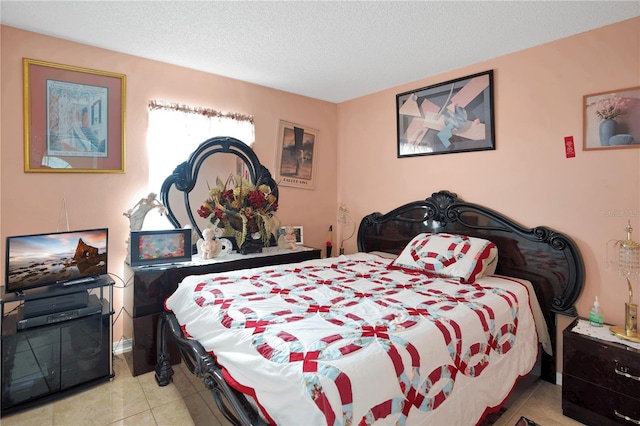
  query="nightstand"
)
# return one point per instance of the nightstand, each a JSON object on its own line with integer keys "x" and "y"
{"x": 600, "y": 379}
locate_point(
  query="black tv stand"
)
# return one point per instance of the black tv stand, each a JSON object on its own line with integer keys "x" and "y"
{"x": 58, "y": 353}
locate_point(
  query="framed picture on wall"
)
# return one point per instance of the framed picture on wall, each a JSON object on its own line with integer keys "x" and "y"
{"x": 612, "y": 119}
{"x": 297, "y": 157}
{"x": 73, "y": 119}
{"x": 454, "y": 116}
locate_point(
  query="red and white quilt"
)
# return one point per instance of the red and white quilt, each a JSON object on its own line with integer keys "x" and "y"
{"x": 345, "y": 341}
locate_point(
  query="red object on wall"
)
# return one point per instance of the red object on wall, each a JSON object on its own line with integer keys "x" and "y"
{"x": 569, "y": 147}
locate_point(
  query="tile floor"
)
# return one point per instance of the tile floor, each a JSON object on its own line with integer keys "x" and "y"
{"x": 139, "y": 401}
{"x": 542, "y": 403}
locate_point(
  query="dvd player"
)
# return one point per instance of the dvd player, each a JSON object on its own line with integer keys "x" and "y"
{"x": 94, "y": 306}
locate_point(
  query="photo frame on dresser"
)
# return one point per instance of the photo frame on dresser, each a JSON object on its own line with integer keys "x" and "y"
{"x": 73, "y": 119}
{"x": 160, "y": 247}
{"x": 611, "y": 119}
{"x": 448, "y": 117}
{"x": 297, "y": 231}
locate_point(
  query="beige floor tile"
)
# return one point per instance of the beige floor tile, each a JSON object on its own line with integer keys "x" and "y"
{"x": 141, "y": 419}
{"x": 103, "y": 404}
{"x": 174, "y": 413}
{"x": 200, "y": 412}
{"x": 39, "y": 416}
{"x": 120, "y": 367}
{"x": 158, "y": 395}
{"x": 544, "y": 407}
{"x": 197, "y": 382}
{"x": 183, "y": 383}
{"x": 211, "y": 403}
{"x": 510, "y": 416}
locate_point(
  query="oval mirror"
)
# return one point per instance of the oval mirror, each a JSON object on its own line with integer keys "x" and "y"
{"x": 185, "y": 190}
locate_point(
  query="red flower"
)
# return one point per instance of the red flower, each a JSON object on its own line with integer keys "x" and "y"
{"x": 256, "y": 199}
{"x": 204, "y": 211}
{"x": 227, "y": 195}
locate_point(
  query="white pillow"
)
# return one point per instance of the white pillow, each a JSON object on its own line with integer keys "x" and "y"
{"x": 448, "y": 255}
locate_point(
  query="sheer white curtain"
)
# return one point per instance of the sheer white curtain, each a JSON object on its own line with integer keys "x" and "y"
{"x": 175, "y": 131}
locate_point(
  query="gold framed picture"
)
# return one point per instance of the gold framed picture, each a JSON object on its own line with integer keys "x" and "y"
{"x": 73, "y": 119}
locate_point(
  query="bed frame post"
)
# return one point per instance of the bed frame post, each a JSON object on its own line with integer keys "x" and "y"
{"x": 164, "y": 371}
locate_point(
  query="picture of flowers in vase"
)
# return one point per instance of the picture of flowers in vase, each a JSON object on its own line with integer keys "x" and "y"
{"x": 612, "y": 119}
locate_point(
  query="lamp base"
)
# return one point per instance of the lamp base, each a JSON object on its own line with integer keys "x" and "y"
{"x": 620, "y": 331}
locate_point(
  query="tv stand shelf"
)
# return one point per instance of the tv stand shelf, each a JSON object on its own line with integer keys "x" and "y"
{"x": 56, "y": 350}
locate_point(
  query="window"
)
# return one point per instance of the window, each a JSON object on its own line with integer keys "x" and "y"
{"x": 175, "y": 131}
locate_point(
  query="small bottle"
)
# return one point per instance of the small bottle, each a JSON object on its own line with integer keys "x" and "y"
{"x": 595, "y": 314}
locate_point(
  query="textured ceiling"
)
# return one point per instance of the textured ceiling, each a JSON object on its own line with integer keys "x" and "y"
{"x": 334, "y": 51}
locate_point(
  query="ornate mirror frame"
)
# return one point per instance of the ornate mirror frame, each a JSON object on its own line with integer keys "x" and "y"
{"x": 185, "y": 176}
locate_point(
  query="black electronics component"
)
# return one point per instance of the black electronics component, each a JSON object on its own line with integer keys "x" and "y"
{"x": 93, "y": 306}
{"x": 55, "y": 304}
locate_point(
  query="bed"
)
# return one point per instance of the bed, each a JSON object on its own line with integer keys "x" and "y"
{"x": 402, "y": 332}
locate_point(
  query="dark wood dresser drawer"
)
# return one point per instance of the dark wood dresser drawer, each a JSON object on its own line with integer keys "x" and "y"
{"x": 602, "y": 363}
{"x": 602, "y": 404}
{"x": 600, "y": 380}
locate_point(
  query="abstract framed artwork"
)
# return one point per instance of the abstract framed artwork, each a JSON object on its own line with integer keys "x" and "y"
{"x": 296, "y": 156}
{"x": 73, "y": 119}
{"x": 612, "y": 119}
{"x": 454, "y": 116}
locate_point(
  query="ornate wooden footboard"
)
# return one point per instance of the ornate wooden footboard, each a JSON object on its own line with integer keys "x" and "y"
{"x": 233, "y": 405}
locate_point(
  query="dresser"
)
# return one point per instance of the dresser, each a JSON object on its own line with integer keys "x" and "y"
{"x": 148, "y": 287}
{"x": 600, "y": 379}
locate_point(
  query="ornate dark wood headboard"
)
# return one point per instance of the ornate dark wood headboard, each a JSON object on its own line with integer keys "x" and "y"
{"x": 548, "y": 259}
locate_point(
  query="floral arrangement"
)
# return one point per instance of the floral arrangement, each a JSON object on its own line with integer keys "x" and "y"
{"x": 612, "y": 107}
{"x": 241, "y": 208}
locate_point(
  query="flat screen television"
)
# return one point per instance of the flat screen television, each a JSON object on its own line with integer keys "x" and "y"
{"x": 53, "y": 259}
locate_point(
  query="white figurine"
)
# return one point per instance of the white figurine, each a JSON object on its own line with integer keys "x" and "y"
{"x": 137, "y": 213}
{"x": 210, "y": 247}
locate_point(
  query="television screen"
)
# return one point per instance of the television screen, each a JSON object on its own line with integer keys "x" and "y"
{"x": 60, "y": 257}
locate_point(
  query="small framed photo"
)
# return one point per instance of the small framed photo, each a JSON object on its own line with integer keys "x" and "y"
{"x": 160, "y": 247}
{"x": 297, "y": 156}
{"x": 612, "y": 119}
{"x": 297, "y": 231}
{"x": 454, "y": 116}
{"x": 73, "y": 119}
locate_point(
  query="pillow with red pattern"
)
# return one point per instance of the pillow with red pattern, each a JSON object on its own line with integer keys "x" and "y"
{"x": 448, "y": 255}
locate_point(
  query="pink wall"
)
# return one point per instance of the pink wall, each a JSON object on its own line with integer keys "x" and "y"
{"x": 538, "y": 101}
{"x": 31, "y": 202}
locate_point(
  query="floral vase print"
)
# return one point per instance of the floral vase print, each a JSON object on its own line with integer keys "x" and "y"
{"x": 607, "y": 110}
{"x": 612, "y": 119}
